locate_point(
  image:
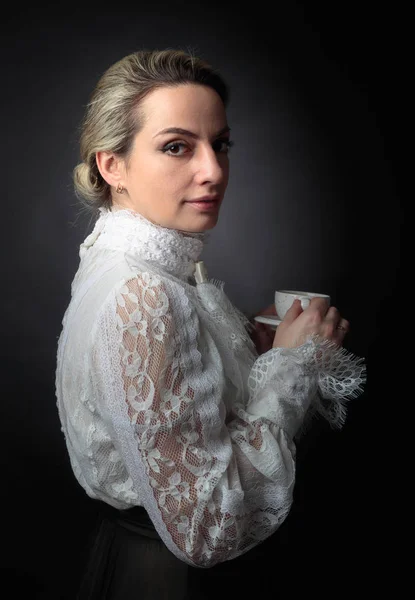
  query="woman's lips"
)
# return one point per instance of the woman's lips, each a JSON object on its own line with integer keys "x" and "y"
{"x": 205, "y": 205}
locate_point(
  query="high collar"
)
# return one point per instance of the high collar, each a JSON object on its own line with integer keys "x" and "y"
{"x": 130, "y": 232}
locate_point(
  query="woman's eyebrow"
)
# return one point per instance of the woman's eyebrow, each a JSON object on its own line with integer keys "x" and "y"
{"x": 189, "y": 133}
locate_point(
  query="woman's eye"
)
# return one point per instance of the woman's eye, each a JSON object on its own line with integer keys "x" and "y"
{"x": 223, "y": 145}
{"x": 174, "y": 148}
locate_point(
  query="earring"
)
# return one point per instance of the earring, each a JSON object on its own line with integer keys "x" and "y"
{"x": 120, "y": 189}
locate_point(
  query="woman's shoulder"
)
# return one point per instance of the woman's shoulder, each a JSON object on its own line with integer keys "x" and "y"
{"x": 144, "y": 299}
{"x": 104, "y": 273}
{"x": 143, "y": 281}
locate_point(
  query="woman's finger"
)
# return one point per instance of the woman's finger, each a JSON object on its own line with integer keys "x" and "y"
{"x": 319, "y": 304}
{"x": 333, "y": 316}
{"x": 293, "y": 312}
{"x": 343, "y": 326}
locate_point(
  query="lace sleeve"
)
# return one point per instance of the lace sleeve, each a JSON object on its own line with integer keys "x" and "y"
{"x": 334, "y": 377}
{"x": 213, "y": 488}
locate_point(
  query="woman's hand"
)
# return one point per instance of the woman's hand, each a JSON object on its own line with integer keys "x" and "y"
{"x": 317, "y": 319}
{"x": 263, "y": 336}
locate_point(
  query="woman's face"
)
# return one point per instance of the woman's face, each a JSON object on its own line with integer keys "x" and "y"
{"x": 166, "y": 171}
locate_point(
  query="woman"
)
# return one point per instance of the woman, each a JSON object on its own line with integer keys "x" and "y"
{"x": 174, "y": 419}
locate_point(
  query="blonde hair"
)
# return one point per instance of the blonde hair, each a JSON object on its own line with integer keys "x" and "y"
{"x": 112, "y": 120}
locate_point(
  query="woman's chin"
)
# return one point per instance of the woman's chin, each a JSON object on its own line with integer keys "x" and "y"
{"x": 201, "y": 222}
{"x": 208, "y": 223}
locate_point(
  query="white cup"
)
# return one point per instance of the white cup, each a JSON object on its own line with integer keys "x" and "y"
{"x": 285, "y": 298}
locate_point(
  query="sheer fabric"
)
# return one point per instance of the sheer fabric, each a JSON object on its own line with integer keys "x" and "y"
{"x": 164, "y": 402}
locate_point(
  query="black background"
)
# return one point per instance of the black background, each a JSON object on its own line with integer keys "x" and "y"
{"x": 348, "y": 65}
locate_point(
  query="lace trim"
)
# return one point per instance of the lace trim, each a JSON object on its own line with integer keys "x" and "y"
{"x": 130, "y": 232}
{"x": 335, "y": 375}
{"x": 341, "y": 377}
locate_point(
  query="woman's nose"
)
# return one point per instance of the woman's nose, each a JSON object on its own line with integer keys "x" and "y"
{"x": 211, "y": 166}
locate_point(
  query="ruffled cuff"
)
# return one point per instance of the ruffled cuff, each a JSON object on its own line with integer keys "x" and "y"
{"x": 341, "y": 376}
{"x": 288, "y": 385}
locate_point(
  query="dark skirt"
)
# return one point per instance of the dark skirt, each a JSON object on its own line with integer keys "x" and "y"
{"x": 128, "y": 560}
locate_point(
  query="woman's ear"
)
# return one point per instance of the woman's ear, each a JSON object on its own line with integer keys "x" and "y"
{"x": 111, "y": 167}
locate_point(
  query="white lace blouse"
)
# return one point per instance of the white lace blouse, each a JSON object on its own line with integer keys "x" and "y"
{"x": 165, "y": 403}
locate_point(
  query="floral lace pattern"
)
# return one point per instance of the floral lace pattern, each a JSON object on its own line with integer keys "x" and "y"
{"x": 206, "y": 503}
{"x": 165, "y": 403}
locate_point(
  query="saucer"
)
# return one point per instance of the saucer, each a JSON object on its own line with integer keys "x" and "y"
{"x": 268, "y": 320}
